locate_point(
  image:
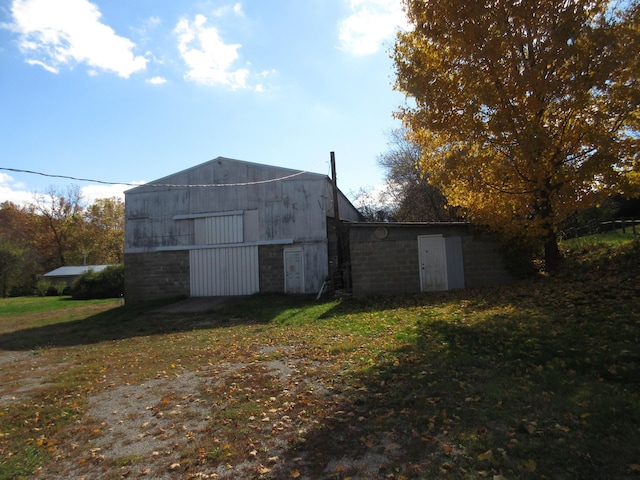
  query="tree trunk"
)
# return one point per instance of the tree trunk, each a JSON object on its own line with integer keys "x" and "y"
{"x": 552, "y": 256}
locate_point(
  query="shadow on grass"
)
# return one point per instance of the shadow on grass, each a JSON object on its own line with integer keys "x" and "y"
{"x": 550, "y": 389}
{"x": 544, "y": 394}
{"x": 128, "y": 321}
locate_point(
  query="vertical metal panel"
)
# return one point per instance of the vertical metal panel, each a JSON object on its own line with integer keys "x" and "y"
{"x": 225, "y": 229}
{"x": 455, "y": 263}
{"x": 224, "y": 271}
{"x": 219, "y": 230}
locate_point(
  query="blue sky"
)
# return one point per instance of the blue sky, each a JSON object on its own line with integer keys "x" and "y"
{"x": 131, "y": 91}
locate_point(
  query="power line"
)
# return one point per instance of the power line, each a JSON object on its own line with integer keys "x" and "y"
{"x": 67, "y": 177}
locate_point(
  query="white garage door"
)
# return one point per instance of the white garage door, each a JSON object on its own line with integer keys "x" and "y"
{"x": 224, "y": 271}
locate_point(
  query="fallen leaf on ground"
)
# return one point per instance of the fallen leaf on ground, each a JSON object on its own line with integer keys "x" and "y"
{"x": 488, "y": 455}
{"x": 530, "y": 465}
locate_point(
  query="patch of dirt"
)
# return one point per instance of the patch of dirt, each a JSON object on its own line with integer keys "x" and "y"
{"x": 152, "y": 429}
{"x": 136, "y": 429}
{"x": 34, "y": 371}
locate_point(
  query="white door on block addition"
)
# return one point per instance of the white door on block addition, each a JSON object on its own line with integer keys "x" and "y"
{"x": 293, "y": 270}
{"x": 433, "y": 263}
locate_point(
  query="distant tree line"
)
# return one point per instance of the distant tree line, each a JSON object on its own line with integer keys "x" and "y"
{"x": 57, "y": 229}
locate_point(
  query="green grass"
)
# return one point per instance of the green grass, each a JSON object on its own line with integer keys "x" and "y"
{"x": 24, "y": 305}
{"x": 535, "y": 380}
{"x": 39, "y": 311}
{"x": 612, "y": 238}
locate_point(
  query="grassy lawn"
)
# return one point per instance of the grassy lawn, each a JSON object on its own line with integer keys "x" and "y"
{"x": 540, "y": 379}
{"x": 21, "y": 312}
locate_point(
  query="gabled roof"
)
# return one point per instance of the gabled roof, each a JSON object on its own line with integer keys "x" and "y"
{"x": 74, "y": 271}
{"x": 269, "y": 173}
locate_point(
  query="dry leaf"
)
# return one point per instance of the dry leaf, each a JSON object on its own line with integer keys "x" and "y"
{"x": 530, "y": 465}
{"x": 488, "y": 455}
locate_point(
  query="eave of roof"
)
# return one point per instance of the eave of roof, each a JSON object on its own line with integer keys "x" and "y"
{"x": 72, "y": 271}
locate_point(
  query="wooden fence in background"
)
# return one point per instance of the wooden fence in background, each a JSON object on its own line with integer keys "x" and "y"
{"x": 627, "y": 225}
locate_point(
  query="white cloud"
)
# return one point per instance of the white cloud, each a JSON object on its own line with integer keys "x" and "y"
{"x": 236, "y": 9}
{"x": 378, "y": 196}
{"x": 12, "y": 191}
{"x": 91, "y": 193}
{"x": 157, "y": 80}
{"x": 371, "y": 23}
{"x": 209, "y": 59}
{"x": 17, "y": 193}
{"x": 54, "y": 34}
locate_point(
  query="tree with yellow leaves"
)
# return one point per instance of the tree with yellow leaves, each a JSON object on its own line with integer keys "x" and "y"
{"x": 525, "y": 110}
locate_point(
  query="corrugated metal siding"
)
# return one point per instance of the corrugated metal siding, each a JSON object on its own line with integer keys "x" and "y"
{"x": 224, "y": 271}
{"x": 219, "y": 230}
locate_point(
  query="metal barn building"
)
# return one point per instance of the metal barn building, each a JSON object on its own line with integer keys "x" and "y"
{"x": 229, "y": 227}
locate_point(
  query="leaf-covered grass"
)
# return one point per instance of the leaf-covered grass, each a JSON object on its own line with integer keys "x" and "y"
{"x": 536, "y": 380}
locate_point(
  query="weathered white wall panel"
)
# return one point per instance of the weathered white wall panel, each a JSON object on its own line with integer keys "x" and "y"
{"x": 316, "y": 265}
{"x": 293, "y": 208}
{"x": 224, "y": 271}
{"x": 251, "y": 226}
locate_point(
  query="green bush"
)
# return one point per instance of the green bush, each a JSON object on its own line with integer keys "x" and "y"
{"x": 108, "y": 283}
{"x": 42, "y": 286}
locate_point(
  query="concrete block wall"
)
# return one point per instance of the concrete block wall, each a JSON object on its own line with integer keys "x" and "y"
{"x": 156, "y": 275}
{"x": 271, "y": 269}
{"x": 385, "y": 267}
{"x": 389, "y": 263}
{"x": 484, "y": 263}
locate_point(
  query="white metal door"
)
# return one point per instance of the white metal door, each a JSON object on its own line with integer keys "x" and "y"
{"x": 433, "y": 263}
{"x": 224, "y": 271}
{"x": 293, "y": 271}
